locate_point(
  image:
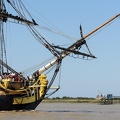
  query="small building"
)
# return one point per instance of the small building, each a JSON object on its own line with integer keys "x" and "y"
{"x": 107, "y": 100}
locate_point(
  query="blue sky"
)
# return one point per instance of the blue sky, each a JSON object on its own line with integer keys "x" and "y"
{"x": 79, "y": 77}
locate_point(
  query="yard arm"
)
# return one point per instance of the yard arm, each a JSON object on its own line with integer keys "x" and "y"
{"x": 4, "y": 15}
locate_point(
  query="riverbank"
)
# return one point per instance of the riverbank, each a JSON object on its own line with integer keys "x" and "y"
{"x": 87, "y": 100}
{"x": 70, "y": 100}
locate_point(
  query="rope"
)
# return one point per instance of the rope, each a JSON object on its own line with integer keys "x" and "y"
{"x": 53, "y": 78}
{"x": 52, "y": 27}
{"x": 35, "y": 67}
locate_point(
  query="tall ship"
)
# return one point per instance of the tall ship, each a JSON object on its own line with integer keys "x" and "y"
{"x": 24, "y": 90}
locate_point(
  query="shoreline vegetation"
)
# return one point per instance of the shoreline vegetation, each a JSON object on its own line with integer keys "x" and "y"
{"x": 77, "y": 100}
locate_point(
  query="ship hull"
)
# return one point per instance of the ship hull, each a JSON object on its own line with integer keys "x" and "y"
{"x": 18, "y": 102}
{"x": 28, "y": 106}
{"x": 6, "y": 103}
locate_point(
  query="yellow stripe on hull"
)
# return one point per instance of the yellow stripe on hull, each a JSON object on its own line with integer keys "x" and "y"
{"x": 24, "y": 100}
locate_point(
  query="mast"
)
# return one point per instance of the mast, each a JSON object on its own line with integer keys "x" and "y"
{"x": 74, "y": 47}
{"x": 4, "y": 16}
{"x": 2, "y": 42}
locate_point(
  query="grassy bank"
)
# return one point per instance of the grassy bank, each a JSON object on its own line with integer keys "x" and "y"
{"x": 71, "y": 100}
{"x": 76, "y": 100}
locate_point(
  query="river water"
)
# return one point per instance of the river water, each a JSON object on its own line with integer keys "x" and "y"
{"x": 66, "y": 111}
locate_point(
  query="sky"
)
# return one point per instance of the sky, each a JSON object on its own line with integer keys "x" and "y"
{"x": 79, "y": 78}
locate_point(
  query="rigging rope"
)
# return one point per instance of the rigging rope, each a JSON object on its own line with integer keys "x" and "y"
{"x": 52, "y": 27}
{"x": 52, "y": 80}
{"x": 57, "y": 32}
{"x": 42, "y": 40}
{"x": 19, "y": 13}
{"x": 54, "y": 76}
{"x": 35, "y": 67}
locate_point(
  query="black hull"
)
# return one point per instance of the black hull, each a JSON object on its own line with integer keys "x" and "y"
{"x": 22, "y": 98}
{"x": 6, "y": 103}
{"x": 29, "y": 106}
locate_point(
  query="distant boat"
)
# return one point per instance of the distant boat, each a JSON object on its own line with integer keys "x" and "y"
{"x": 17, "y": 91}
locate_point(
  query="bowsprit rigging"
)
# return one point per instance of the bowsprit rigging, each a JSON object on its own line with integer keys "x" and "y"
{"x": 18, "y": 91}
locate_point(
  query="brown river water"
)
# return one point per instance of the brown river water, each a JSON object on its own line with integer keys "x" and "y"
{"x": 66, "y": 111}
